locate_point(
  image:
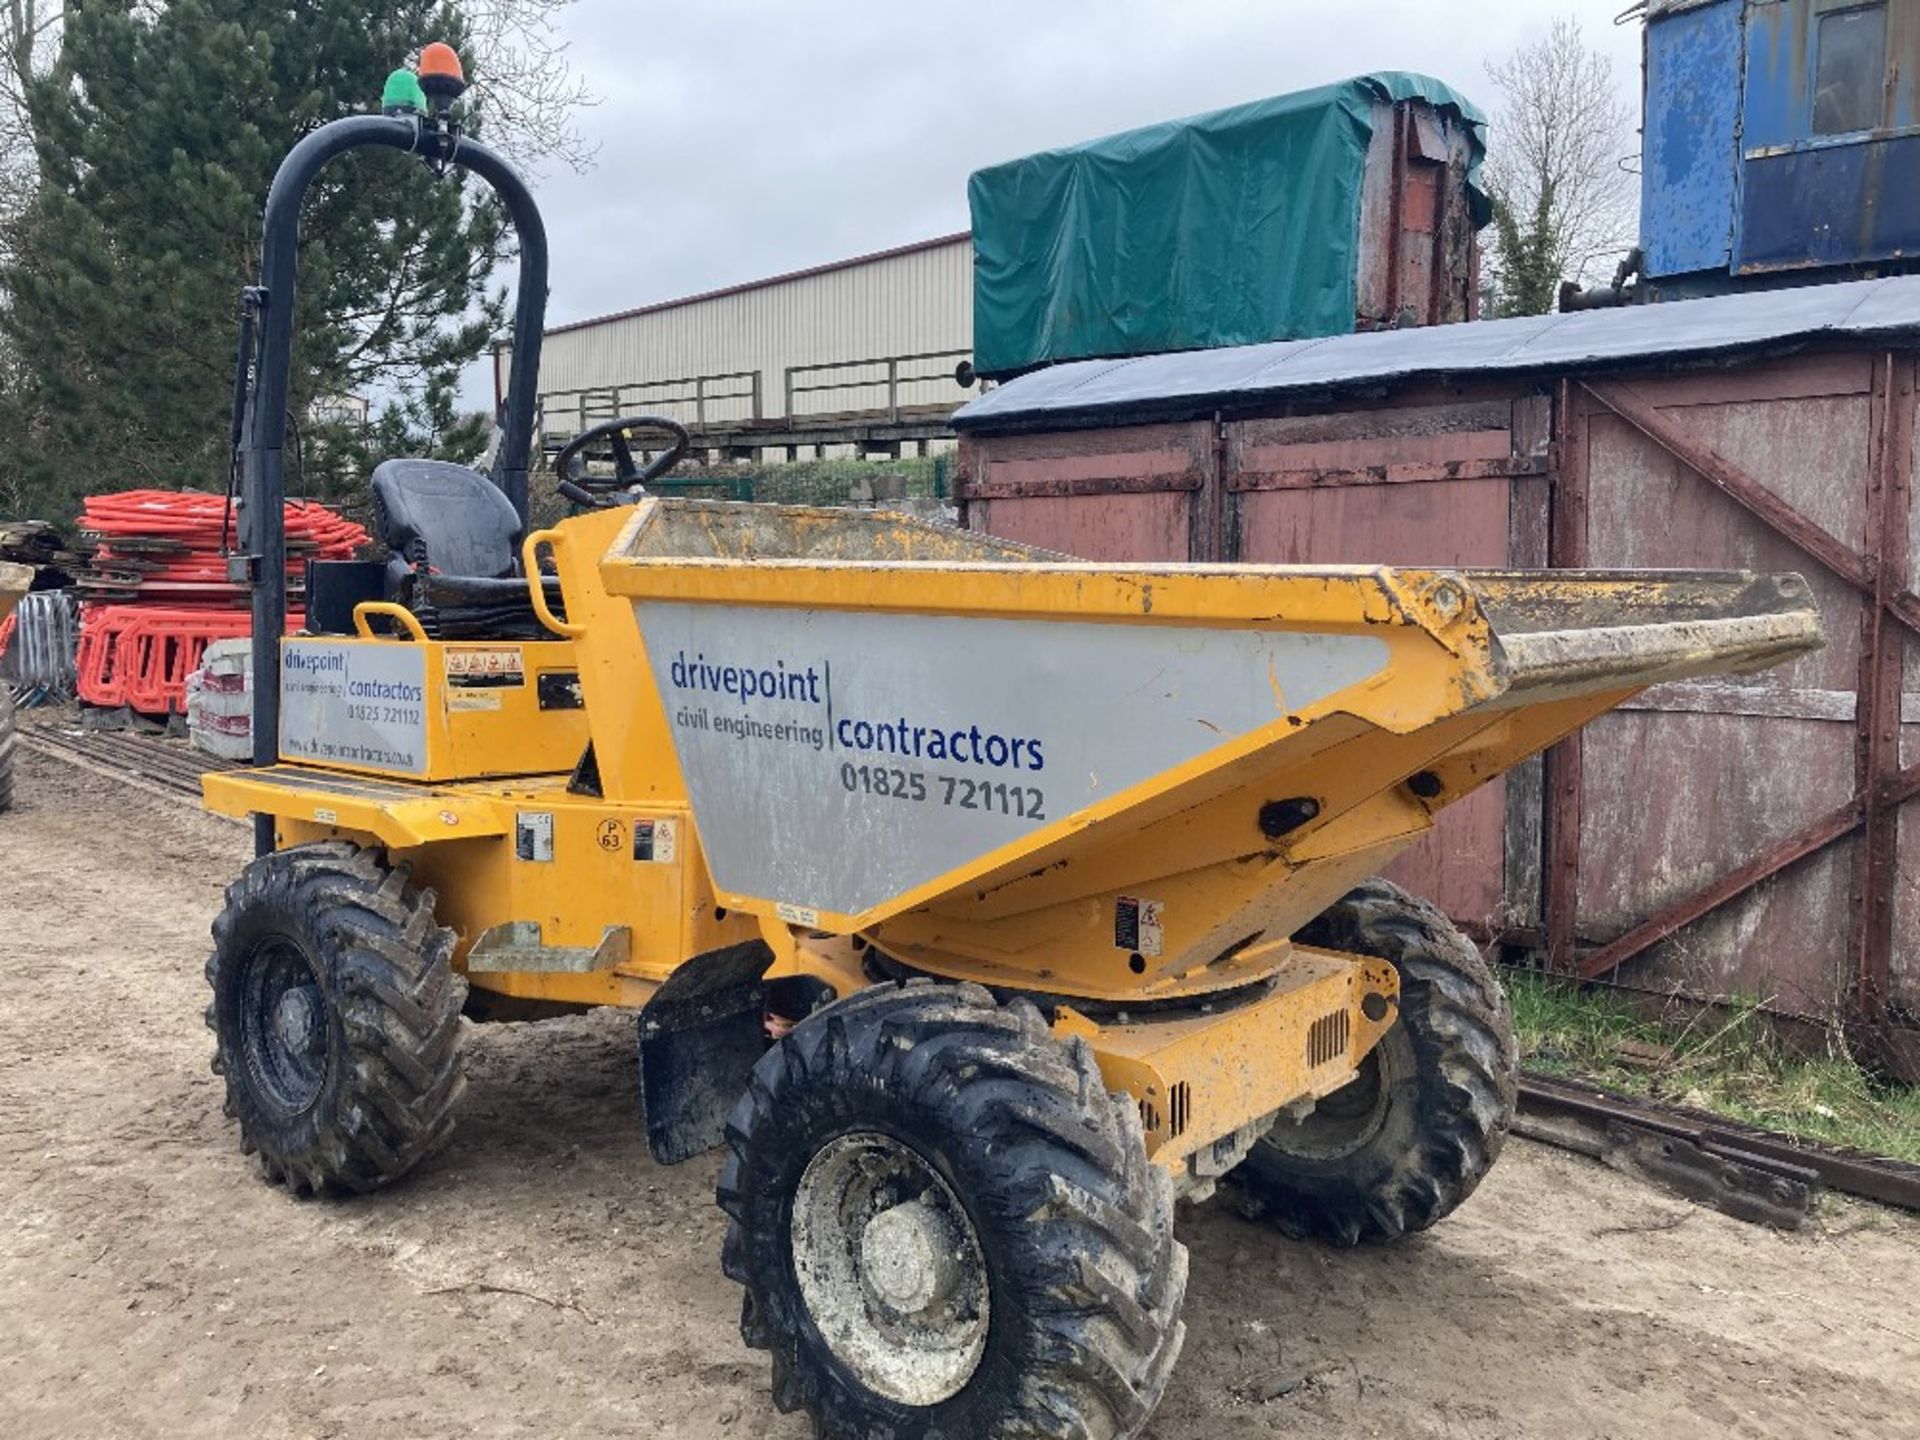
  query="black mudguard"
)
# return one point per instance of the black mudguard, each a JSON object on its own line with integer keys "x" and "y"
{"x": 700, "y": 1036}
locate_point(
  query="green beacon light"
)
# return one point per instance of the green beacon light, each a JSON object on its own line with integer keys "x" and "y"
{"x": 402, "y": 94}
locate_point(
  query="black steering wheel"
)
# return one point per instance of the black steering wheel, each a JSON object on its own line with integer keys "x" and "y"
{"x": 629, "y": 480}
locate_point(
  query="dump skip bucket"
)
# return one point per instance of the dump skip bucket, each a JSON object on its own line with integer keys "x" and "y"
{"x": 878, "y": 717}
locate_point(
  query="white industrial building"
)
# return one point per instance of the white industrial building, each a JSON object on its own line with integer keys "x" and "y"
{"x": 877, "y": 337}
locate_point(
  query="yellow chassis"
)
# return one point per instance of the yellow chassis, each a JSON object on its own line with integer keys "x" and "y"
{"x": 1302, "y": 1022}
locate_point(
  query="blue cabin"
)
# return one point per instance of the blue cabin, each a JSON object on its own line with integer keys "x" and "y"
{"x": 1782, "y": 142}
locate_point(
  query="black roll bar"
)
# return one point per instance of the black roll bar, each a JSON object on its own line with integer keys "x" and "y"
{"x": 263, "y": 427}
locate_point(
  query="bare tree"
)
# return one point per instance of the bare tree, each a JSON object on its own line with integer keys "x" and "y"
{"x": 527, "y": 90}
{"x": 1562, "y": 139}
{"x": 29, "y": 38}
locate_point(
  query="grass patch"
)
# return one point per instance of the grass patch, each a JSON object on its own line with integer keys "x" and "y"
{"x": 1726, "y": 1061}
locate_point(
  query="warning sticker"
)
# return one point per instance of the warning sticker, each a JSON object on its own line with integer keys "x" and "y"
{"x": 461, "y": 698}
{"x": 1136, "y": 926}
{"x": 533, "y": 836}
{"x": 494, "y": 667}
{"x": 797, "y": 914}
{"x": 653, "y": 840}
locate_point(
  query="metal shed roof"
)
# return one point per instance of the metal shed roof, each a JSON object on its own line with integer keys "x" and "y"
{"x": 1091, "y": 391}
{"x": 786, "y": 277}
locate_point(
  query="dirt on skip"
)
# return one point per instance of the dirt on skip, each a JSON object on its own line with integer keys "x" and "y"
{"x": 543, "y": 1277}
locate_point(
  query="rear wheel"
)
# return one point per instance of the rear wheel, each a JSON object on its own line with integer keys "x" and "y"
{"x": 946, "y": 1226}
{"x": 336, "y": 1017}
{"x": 1420, "y": 1125}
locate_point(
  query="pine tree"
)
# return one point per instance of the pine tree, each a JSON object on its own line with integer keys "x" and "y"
{"x": 158, "y": 131}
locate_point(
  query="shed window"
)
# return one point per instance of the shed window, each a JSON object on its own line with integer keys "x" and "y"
{"x": 1852, "y": 73}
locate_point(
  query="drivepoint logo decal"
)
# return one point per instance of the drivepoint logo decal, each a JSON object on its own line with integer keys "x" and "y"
{"x": 724, "y": 695}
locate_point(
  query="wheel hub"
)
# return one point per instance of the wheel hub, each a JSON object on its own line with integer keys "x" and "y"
{"x": 890, "y": 1268}
{"x": 296, "y": 1021}
{"x": 282, "y": 1026}
{"x": 908, "y": 1258}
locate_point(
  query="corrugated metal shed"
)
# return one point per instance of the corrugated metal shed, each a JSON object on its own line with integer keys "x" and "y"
{"x": 1164, "y": 385}
{"x": 914, "y": 300}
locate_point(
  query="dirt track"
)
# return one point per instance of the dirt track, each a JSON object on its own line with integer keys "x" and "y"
{"x": 545, "y": 1278}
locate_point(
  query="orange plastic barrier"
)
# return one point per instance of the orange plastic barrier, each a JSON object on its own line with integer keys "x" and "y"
{"x": 139, "y": 656}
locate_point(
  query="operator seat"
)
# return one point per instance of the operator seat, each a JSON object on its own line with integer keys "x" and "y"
{"x": 454, "y": 560}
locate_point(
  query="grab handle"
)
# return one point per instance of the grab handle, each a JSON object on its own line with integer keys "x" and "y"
{"x": 364, "y": 612}
{"x": 530, "y": 560}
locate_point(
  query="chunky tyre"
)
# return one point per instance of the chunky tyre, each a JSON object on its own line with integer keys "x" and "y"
{"x": 336, "y": 1016}
{"x": 1403, "y": 1145}
{"x": 9, "y": 744}
{"x": 946, "y": 1226}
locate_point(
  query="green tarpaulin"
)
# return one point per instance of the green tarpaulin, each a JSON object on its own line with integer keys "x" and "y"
{"x": 1226, "y": 229}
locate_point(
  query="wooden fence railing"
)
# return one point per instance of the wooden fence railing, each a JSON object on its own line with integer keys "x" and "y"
{"x": 880, "y": 387}
{"x": 699, "y": 400}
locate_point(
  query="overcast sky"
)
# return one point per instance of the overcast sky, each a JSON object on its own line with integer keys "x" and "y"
{"x": 741, "y": 138}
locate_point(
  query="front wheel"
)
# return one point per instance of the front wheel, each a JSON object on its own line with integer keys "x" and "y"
{"x": 1410, "y": 1138}
{"x": 946, "y": 1226}
{"x": 336, "y": 1018}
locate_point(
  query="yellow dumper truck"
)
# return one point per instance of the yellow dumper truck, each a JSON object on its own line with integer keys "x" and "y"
{"x": 981, "y": 903}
